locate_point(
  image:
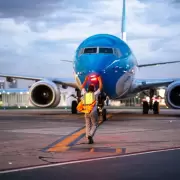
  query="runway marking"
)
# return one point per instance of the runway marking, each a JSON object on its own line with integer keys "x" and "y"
{"x": 62, "y": 146}
{"x": 61, "y": 139}
{"x": 99, "y": 149}
{"x": 68, "y": 141}
{"x": 87, "y": 160}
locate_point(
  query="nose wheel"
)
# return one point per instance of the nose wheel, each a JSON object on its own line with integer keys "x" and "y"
{"x": 102, "y": 112}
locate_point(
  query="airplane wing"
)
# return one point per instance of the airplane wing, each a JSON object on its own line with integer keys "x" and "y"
{"x": 63, "y": 81}
{"x": 156, "y": 64}
{"x": 145, "y": 84}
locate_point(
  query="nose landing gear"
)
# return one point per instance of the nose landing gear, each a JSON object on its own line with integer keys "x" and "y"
{"x": 102, "y": 112}
{"x": 100, "y": 106}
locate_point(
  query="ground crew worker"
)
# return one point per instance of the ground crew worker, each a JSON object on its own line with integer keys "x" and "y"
{"x": 91, "y": 116}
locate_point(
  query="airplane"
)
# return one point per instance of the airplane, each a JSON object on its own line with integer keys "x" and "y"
{"x": 111, "y": 58}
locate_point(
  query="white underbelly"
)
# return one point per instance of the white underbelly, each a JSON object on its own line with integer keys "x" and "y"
{"x": 124, "y": 84}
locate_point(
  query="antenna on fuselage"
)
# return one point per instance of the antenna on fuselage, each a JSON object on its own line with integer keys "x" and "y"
{"x": 123, "y": 26}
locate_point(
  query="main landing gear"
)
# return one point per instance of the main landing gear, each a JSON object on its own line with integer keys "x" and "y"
{"x": 151, "y": 106}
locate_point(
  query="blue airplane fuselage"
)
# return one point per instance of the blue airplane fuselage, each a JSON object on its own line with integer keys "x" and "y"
{"x": 116, "y": 68}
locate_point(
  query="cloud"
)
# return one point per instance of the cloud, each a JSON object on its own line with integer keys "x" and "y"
{"x": 35, "y": 35}
{"x": 37, "y": 8}
{"x": 26, "y": 9}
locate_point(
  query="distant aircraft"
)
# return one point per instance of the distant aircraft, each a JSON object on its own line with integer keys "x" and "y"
{"x": 111, "y": 58}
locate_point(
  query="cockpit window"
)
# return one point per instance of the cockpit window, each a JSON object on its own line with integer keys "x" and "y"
{"x": 81, "y": 51}
{"x": 100, "y": 50}
{"x": 117, "y": 52}
{"x": 90, "y": 50}
{"x": 106, "y": 50}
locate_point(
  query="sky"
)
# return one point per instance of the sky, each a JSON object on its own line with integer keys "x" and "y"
{"x": 35, "y": 35}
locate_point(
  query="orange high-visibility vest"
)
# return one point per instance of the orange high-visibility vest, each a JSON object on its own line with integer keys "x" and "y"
{"x": 87, "y": 104}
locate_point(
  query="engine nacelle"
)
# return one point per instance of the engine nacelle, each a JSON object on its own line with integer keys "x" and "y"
{"x": 44, "y": 94}
{"x": 172, "y": 95}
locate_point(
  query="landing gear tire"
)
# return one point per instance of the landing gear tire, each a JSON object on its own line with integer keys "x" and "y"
{"x": 156, "y": 107}
{"x": 73, "y": 107}
{"x": 145, "y": 107}
{"x": 104, "y": 114}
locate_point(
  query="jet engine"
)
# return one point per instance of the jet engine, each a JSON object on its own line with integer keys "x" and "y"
{"x": 44, "y": 94}
{"x": 172, "y": 95}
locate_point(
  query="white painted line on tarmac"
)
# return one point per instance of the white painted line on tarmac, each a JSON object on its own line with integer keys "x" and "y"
{"x": 87, "y": 160}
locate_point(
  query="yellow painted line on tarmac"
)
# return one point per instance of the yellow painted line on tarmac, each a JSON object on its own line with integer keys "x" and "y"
{"x": 64, "y": 145}
{"x": 116, "y": 150}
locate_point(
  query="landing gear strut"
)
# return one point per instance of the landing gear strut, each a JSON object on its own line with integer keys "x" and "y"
{"x": 151, "y": 106}
{"x": 75, "y": 102}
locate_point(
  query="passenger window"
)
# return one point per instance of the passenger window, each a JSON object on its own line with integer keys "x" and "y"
{"x": 90, "y": 50}
{"x": 106, "y": 50}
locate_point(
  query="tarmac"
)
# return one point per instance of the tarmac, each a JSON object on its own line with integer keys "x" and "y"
{"x": 32, "y": 140}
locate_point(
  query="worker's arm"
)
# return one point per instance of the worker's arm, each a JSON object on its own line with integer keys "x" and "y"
{"x": 100, "y": 83}
{"x": 85, "y": 81}
{"x": 100, "y": 87}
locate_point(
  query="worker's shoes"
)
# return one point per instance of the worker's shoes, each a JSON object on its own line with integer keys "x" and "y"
{"x": 90, "y": 140}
